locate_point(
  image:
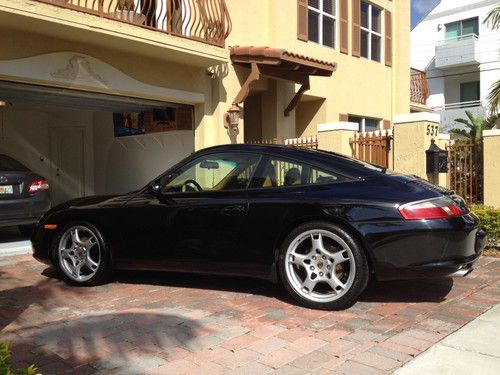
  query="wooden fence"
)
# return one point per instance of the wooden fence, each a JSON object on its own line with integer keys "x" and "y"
{"x": 302, "y": 142}
{"x": 372, "y": 147}
{"x": 466, "y": 170}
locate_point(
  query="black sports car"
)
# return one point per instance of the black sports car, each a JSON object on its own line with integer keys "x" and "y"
{"x": 24, "y": 195}
{"x": 319, "y": 222}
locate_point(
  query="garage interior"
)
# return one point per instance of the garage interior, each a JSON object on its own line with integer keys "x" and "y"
{"x": 68, "y": 136}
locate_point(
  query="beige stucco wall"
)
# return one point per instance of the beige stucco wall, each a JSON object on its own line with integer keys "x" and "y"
{"x": 411, "y": 140}
{"x": 359, "y": 86}
{"x": 336, "y": 141}
{"x": 491, "y": 144}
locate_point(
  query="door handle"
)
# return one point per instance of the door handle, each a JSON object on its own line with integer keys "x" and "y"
{"x": 235, "y": 210}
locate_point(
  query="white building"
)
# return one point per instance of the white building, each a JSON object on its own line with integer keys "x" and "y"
{"x": 460, "y": 55}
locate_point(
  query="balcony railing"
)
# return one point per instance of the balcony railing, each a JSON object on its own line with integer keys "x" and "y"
{"x": 448, "y": 106}
{"x": 206, "y": 21}
{"x": 458, "y": 38}
{"x": 419, "y": 88}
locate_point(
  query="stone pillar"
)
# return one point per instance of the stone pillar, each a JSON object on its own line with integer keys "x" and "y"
{"x": 491, "y": 147}
{"x": 412, "y": 137}
{"x": 335, "y": 136}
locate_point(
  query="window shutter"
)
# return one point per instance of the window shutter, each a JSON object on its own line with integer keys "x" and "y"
{"x": 302, "y": 24}
{"x": 344, "y": 27}
{"x": 386, "y": 124}
{"x": 343, "y": 117}
{"x": 356, "y": 28}
{"x": 388, "y": 38}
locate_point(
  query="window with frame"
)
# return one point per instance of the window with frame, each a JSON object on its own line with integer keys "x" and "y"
{"x": 371, "y": 31}
{"x": 366, "y": 124}
{"x": 458, "y": 30}
{"x": 214, "y": 172}
{"x": 470, "y": 92}
{"x": 322, "y": 22}
{"x": 281, "y": 173}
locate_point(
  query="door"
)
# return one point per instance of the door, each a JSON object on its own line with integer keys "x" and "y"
{"x": 67, "y": 163}
{"x": 197, "y": 219}
{"x": 280, "y": 195}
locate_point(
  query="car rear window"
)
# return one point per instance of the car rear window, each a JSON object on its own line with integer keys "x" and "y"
{"x": 7, "y": 164}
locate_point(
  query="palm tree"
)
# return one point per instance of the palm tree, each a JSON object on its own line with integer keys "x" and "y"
{"x": 493, "y": 21}
{"x": 475, "y": 125}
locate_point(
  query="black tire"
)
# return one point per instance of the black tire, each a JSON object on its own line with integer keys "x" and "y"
{"x": 104, "y": 270}
{"x": 360, "y": 278}
{"x": 26, "y": 230}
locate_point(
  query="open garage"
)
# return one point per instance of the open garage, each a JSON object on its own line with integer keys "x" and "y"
{"x": 92, "y": 143}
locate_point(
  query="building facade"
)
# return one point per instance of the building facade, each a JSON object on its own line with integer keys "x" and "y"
{"x": 102, "y": 96}
{"x": 459, "y": 54}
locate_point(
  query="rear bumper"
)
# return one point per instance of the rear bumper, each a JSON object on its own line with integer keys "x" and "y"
{"x": 434, "y": 248}
{"x": 23, "y": 211}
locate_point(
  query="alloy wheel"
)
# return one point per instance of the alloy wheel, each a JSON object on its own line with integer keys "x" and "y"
{"x": 79, "y": 253}
{"x": 320, "y": 266}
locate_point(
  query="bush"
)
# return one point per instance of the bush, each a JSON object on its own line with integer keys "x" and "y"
{"x": 6, "y": 368}
{"x": 490, "y": 221}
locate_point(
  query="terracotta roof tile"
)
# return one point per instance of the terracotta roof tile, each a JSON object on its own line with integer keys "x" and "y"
{"x": 279, "y": 54}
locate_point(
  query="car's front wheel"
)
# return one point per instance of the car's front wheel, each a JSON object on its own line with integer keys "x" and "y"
{"x": 322, "y": 266}
{"x": 82, "y": 254}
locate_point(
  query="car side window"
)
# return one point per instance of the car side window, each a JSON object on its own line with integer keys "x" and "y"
{"x": 213, "y": 172}
{"x": 280, "y": 172}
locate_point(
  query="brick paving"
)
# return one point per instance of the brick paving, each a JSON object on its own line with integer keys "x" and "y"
{"x": 161, "y": 323}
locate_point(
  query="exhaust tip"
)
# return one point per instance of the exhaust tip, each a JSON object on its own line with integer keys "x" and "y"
{"x": 462, "y": 272}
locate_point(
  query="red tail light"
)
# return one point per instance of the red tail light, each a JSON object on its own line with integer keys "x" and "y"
{"x": 438, "y": 208}
{"x": 39, "y": 185}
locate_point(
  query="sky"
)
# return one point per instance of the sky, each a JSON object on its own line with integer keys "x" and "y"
{"x": 419, "y": 9}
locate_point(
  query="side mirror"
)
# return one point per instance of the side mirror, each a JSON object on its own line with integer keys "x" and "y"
{"x": 154, "y": 188}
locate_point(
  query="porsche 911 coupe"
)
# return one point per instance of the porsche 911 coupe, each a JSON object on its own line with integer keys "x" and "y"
{"x": 320, "y": 223}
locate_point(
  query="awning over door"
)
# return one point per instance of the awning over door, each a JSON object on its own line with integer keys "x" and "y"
{"x": 280, "y": 64}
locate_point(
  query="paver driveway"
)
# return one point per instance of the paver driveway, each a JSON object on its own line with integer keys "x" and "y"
{"x": 172, "y": 324}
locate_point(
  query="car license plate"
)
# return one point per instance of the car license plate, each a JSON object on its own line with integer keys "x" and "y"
{"x": 6, "y": 189}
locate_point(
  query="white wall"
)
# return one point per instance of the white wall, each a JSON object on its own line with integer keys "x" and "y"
{"x": 426, "y": 35}
{"x": 128, "y": 163}
{"x": 112, "y": 165}
{"x": 24, "y": 135}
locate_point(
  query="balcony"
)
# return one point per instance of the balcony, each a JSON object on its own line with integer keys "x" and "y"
{"x": 451, "y": 111}
{"x": 458, "y": 51}
{"x": 206, "y": 21}
{"x": 419, "y": 88}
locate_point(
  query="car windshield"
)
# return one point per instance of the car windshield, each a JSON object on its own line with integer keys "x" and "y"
{"x": 7, "y": 164}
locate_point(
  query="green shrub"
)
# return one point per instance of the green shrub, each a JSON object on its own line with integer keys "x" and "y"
{"x": 490, "y": 221}
{"x": 6, "y": 368}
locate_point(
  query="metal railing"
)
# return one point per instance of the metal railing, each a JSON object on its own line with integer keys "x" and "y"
{"x": 459, "y": 105}
{"x": 419, "y": 87}
{"x": 205, "y": 21}
{"x": 466, "y": 170}
{"x": 458, "y": 38}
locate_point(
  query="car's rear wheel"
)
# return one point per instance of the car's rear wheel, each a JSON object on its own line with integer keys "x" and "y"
{"x": 322, "y": 266}
{"x": 82, "y": 254}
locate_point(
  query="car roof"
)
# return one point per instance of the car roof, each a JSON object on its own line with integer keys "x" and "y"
{"x": 327, "y": 159}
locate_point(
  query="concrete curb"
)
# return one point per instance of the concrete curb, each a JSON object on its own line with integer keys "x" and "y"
{"x": 473, "y": 349}
{"x": 15, "y": 248}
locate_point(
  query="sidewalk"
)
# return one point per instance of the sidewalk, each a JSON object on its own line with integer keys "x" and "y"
{"x": 473, "y": 349}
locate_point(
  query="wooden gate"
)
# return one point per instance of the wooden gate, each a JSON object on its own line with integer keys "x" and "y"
{"x": 466, "y": 170}
{"x": 372, "y": 147}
